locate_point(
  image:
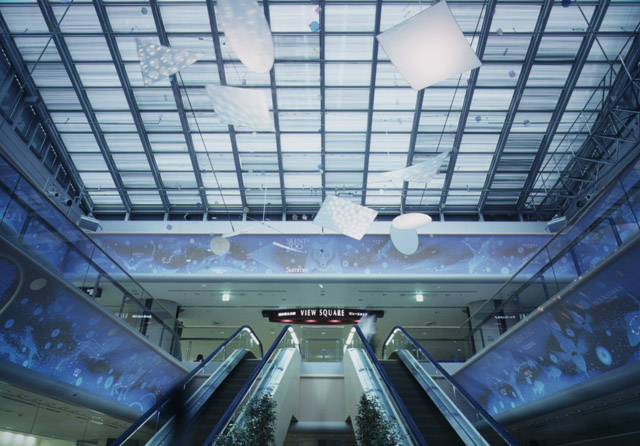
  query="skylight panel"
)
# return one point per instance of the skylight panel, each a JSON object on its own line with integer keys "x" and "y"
{"x": 342, "y": 180}
{"x": 531, "y": 122}
{"x": 298, "y": 98}
{"x": 304, "y": 198}
{"x": 388, "y": 76}
{"x": 348, "y": 74}
{"x": 300, "y": 142}
{"x": 438, "y": 121}
{"x": 116, "y": 121}
{"x": 87, "y": 48}
{"x": 392, "y": 122}
{"x": 261, "y": 180}
{"x": 307, "y": 162}
{"x": 430, "y": 143}
{"x": 525, "y": 142}
{"x": 297, "y": 74}
{"x": 173, "y": 161}
{"x": 558, "y": 47}
{"x": 60, "y": 99}
{"x": 107, "y": 99}
{"x": 390, "y": 142}
{"x": 379, "y": 162}
{"x": 131, "y": 161}
{"x": 224, "y": 179}
{"x": 548, "y": 75}
{"x": 347, "y": 99}
{"x": 569, "y": 19}
{"x": 610, "y": 47}
{"x": 297, "y": 47}
{"x": 499, "y": 75}
{"x": 621, "y": 17}
{"x": 167, "y": 142}
{"x": 299, "y": 121}
{"x": 161, "y": 121}
{"x": 70, "y": 121}
{"x": 302, "y": 180}
{"x": 491, "y": 99}
{"x": 23, "y": 19}
{"x": 345, "y": 142}
{"x": 212, "y": 142}
{"x": 144, "y": 198}
{"x": 351, "y": 18}
{"x": 506, "y": 47}
{"x": 345, "y": 161}
{"x": 231, "y": 198}
{"x": 345, "y": 122}
{"x": 348, "y": 47}
{"x": 463, "y": 180}
{"x": 105, "y": 198}
{"x": 32, "y": 48}
{"x": 585, "y": 98}
{"x": 474, "y": 162}
{"x": 489, "y": 122}
{"x": 178, "y": 180}
{"x": 577, "y": 122}
{"x": 98, "y": 75}
{"x": 259, "y": 142}
{"x": 131, "y": 19}
{"x": 394, "y": 99}
{"x": 462, "y": 198}
{"x": 514, "y": 18}
{"x": 123, "y": 142}
{"x": 78, "y": 18}
{"x": 89, "y": 161}
{"x": 592, "y": 74}
{"x": 478, "y": 144}
{"x": 443, "y": 98}
{"x": 198, "y": 74}
{"x": 219, "y": 161}
{"x": 156, "y": 98}
{"x": 138, "y": 179}
{"x": 383, "y": 197}
{"x": 191, "y": 18}
{"x": 49, "y": 75}
{"x": 101, "y": 180}
{"x": 538, "y": 99}
{"x": 258, "y": 198}
{"x": 292, "y": 17}
{"x": 80, "y": 142}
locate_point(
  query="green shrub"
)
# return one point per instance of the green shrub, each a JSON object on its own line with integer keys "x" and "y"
{"x": 257, "y": 427}
{"x": 374, "y": 429}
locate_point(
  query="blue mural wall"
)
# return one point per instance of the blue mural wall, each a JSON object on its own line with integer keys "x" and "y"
{"x": 595, "y": 328}
{"x": 320, "y": 254}
{"x": 49, "y": 329}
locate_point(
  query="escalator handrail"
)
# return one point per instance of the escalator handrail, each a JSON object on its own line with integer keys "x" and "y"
{"x": 488, "y": 418}
{"x": 417, "y": 435}
{"x": 179, "y": 387}
{"x": 226, "y": 416}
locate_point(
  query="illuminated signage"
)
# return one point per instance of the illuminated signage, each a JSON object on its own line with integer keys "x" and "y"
{"x": 318, "y": 315}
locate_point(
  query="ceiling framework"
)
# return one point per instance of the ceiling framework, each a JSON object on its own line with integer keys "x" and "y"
{"x": 342, "y": 113}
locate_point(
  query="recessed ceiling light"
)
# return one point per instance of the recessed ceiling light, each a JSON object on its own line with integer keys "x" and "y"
{"x": 225, "y": 297}
{"x": 419, "y": 298}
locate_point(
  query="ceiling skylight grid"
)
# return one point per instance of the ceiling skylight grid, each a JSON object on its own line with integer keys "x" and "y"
{"x": 337, "y": 111}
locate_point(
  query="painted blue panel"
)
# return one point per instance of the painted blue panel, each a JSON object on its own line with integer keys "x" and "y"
{"x": 320, "y": 254}
{"x": 54, "y": 330}
{"x": 594, "y": 328}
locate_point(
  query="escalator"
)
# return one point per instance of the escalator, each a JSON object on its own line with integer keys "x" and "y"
{"x": 425, "y": 412}
{"x": 198, "y": 410}
{"x": 434, "y": 427}
{"x": 217, "y": 404}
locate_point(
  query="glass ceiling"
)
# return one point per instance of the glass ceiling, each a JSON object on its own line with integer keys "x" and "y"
{"x": 342, "y": 112}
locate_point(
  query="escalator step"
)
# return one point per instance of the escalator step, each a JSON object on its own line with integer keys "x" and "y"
{"x": 434, "y": 427}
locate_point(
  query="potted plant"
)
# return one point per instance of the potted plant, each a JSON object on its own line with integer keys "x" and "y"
{"x": 257, "y": 424}
{"x": 373, "y": 428}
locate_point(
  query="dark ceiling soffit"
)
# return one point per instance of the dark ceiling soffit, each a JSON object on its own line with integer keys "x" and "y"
{"x": 45, "y": 119}
{"x": 468, "y": 98}
{"x": 563, "y": 100}
{"x": 67, "y": 61}
{"x": 534, "y": 44}
{"x": 164, "y": 40}
{"x": 105, "y": 23}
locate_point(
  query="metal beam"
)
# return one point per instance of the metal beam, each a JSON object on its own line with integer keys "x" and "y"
{"x": 534, "y": 45}
{"x": 563, "y": 100}
{"x": 466, "y": 105}
{"x": 177, "y": 94}
{"x": 412, "y": 145}
{"x": 323, "y": 107}
{"x": 372, "y": 91}
{"x": 276, "y": 119}
{"x": 87, "y": 108}
{"x": 44, "y": 117}
{"x": 105, "y": 23}
{"x": 223, "y": 81}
